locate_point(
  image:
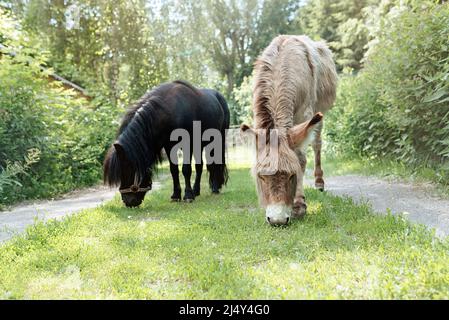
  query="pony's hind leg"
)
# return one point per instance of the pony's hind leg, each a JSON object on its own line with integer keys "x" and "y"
{"x": 197, "y": 185}
{"x": 199, "y": 172}
{"x": 319, "y": 181}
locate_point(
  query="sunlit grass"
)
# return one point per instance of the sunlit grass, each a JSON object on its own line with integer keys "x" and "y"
{"x": 220, "y": 247}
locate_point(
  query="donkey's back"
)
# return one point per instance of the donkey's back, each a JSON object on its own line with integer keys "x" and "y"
{"x": 301, "y": 75}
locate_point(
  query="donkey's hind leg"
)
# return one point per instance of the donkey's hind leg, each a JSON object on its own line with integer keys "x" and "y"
{"x": 319, "y": 181}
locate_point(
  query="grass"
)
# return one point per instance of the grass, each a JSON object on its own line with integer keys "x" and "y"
{"x": 220, "y": 247}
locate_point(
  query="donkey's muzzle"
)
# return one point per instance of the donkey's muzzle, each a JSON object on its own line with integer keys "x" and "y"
{"x": 278, "y": 214}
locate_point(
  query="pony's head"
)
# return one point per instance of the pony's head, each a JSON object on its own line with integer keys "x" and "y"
{"x": 133, "y": 157}
{"x": 119, "y": 170}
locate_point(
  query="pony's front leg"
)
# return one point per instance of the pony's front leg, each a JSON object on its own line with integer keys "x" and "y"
{"x": 187, "y": 172}
{"x": 174, "y": 170}
{"x": 299, "y": 204}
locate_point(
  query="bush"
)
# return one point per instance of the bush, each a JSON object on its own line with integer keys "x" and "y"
{"x": 70, "y": 133}
{"x": 398, "y": 106}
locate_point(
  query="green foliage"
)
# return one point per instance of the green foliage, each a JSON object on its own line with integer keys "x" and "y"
{"x": 242, "y": 111}
{"x": 232, "y": 33}
{"x": 115, "y": 49}
{"x": 70, "y": 134}
{"x": 8, "y": 175}
{"x": 167, "y": 250}
{"x": 343, "y": 24}
{"x": 398, "y": 106}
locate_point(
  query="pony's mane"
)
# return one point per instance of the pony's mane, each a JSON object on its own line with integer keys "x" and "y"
{"x": 188, "y": 85}
{"x": 137, "y": 137}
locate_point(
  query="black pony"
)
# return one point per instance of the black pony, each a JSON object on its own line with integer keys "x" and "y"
{"x": 146, "y": 130}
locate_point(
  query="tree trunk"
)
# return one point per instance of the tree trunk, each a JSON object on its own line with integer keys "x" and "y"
{"x": 230, "y": 79}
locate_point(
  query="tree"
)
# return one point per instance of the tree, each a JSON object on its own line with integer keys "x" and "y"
{"x": 114, "y": 48}
{"x": 342, "y": 23}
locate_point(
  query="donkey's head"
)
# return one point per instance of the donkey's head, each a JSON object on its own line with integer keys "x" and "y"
{"x": 277, "y": 166}
{"x": 119, "y": 170}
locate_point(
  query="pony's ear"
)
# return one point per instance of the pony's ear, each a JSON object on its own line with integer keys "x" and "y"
{"x": 120, "y": 151}
{"x": 299, "y": 135}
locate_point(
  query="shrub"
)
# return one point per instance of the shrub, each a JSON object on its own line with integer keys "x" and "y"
{"x": 398, "y": 106}
{"x": 70, "y": 133}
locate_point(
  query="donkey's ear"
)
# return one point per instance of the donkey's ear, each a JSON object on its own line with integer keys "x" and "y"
{"x": 300, "y": 135}
{"x": 246, "y": 130}
{"x": 120, "y": 151}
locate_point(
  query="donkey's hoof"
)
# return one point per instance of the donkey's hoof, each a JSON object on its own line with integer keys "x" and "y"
{"x": 196, "y": 192}
{"x": 175, "y": 199}
{"x": 188, "y": 200}
{"x": 215, "y": 191}
{"x": 299, "y": 210}
{"x": 319, "y": 186}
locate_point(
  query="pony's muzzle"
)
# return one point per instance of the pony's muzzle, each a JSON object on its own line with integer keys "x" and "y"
{"x": 278, "y": 214}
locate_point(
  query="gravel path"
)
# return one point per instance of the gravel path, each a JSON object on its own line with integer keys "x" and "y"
{"x": 18, "y": 218}
{"x": 418, "y": 203}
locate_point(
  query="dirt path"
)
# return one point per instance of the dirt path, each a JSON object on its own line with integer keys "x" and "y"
{"x": 18, "y": 218}
{"x": 418, "y": 203}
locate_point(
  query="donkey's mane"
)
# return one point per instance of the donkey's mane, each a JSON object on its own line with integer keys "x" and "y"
{"x": 290, "y": 81}
{"x": 275, "y": 86}
{"x": 268, "y": 84}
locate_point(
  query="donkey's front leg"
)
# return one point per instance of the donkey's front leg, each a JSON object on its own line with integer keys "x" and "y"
{"x": 319, "y": 181}
{"x": 299, "y": 204}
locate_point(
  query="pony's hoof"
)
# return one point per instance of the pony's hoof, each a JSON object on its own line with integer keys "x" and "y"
{"x": 175, "y": 199}
{"x": 188, "y": 200}
{"x": 215, "y": 191}
{"x": 299, "y": 210}
{"x": 196, "y": 193}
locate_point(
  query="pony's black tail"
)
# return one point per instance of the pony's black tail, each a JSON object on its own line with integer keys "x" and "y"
{"x": 218, "y": 176}
{"x": 218, "y": 173}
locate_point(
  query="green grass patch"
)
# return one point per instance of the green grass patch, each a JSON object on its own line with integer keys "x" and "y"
{"x": 219, "y": 247}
